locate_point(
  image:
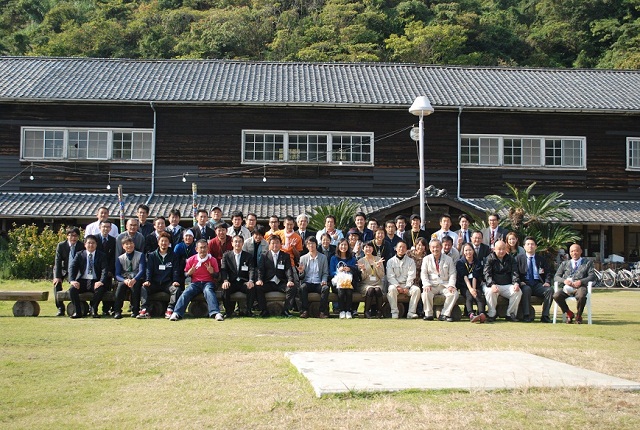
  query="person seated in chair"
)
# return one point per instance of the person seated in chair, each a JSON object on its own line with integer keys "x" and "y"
{"x": 131, "y": 269}
{"x": 65, "y": 253}
{"x": 535, "y": 279}
{"x": 573, "y": 276}
{"x": 501, "y": 277}
{"x": 314, "y": 274}
{"x": 401, "y": 275}
{"x": 162, "y": 276}
{"x": 275, "y": 274}
{"x": 438, "y": 277}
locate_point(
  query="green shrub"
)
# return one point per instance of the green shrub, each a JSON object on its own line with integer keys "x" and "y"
{"x": 32, "y": 251}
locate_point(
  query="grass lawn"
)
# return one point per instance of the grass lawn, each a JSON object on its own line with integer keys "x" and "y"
{"x": 197, "y": 373}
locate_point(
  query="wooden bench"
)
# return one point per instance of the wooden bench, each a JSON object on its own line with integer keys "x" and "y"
{"x": 156, "y": 303}
{"x": 26, "y": 302}
{"x": 403, "y": 301}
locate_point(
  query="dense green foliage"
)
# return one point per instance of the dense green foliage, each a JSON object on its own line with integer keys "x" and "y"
{"x": 550, "y": 33}
{"x": 32, "y": 251}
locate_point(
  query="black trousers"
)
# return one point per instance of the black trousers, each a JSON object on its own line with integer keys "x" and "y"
{"x": 87, "y": 286}
{"x": 58, "y": 287}
{"x": 480, "y": 300}
{"x": 235, "y": 287}
{"x": 161, "y": 288}
{"x": 323, "y": 290}
{"x": 581, "y": 297}
{"x": 270, "y": 286}
{"x": 536, "y": 288}
{"x": 345, "y": 297}
{"x": 121, "y": 293}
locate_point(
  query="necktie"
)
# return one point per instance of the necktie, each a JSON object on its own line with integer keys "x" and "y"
{"x": 91, "y": 264}
{"x": 204, "y": 233}
{"x": 493, "y": 238}
{"x": 104, "y": 241}
{"x": 72, "y": 252}
{"x": 530, "y": 269}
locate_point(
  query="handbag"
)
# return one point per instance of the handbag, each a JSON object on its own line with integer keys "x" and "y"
{"x": 342, "y": 279}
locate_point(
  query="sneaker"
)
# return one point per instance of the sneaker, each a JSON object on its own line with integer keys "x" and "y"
{"x": 570, "y": 316}
{"x": 394, "y": 315}
{"x": 174, "y": 317}
{"x": 117, "y": 316}
{"x": 511, "y": 317}
{"x": 219, "y": 317}
{"x": 143, "y": 315}
{"x": 578, "y": 319}
{"x": 343, "y": 315}
{"x": 354, "y": 314}
{"x": 412, "y": 316}
{"x": 483, "y": 318}
{"x": 323, "y": 316}
{"x": 477, "y": 318}
{"x": 348, "y": 316}
{"x": 168, "y": 313}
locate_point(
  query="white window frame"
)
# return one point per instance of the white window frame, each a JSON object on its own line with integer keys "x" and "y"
{"x": 284, "y": 154}
{"x": 66, "y": 153}
{"x": 630, "y": 142}
{"x": 499, "y": 161}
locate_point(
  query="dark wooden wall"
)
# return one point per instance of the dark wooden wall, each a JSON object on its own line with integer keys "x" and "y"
{"x": 206, "y": 143}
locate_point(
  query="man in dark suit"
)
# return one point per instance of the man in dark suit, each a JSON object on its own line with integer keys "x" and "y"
{"x": 201, "y": 229}
{"x": 535, "y": 279}
{"x": 236, "y": 274}
{"x": 574, "y": 275}
{"x": 314, "y": 276}
{"x": 482, "y": 250}
{"x": 302, "y": 221}
{"x": 411, "y": 236}
{"x": 464, "y": 234}
{"x": 87, "y": 273}
{"x": 151, "y": 240}
{"x": 107, "y": 244}
{"x": 275, "y": 274}
{"x": 494, "y": 232}
{"x": 65, "y": 252}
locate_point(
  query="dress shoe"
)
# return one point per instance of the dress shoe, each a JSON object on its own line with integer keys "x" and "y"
{"x": 428, "y": 318}
{"x": 117, "y": 316}
{"x": 545, "y": 320}
{"x": 491, "y": 319}
{"x": 578, "y": 319}
{"x": 76, "y": 315}
{"x": 264, "y": 314}
{"x": 60, "y": 313}
{"x": 286, "y": 314}
{"x": 323, "y": 316}
{"x": 367, "y": 315}
{"x": 527, "y": 319}
{"x": 569, "y": 317}
{"x": 94, "y": 313}
{"x": 304, "y": 314}
{"x": 511, "y": 317}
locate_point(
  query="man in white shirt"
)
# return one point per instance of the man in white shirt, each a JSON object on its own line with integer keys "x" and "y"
{"x": 445, "y": 229}
{"x": 464, "y": 234}
{"x": 438, "y": 276}
{"x": 449, "y": 249}
{"x": 94, "y": 227}
{"x": 401, "y": 271}
{"x": 330, "y": 229}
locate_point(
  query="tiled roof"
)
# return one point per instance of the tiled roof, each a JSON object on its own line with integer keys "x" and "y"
{"x": 75, "y": 205}
{"x": 319, "y": 84}
{"x": 597, "y": 212}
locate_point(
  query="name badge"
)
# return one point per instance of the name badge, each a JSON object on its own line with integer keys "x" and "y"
{"x": 280, "y": 266}
{"x": 373, "y": 278}
{"x": 470, "y": 276}
{"x": 162, "y": 267}
{"x": 244, "y": 268}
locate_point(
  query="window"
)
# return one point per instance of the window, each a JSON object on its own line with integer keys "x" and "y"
{"x": 260, "y": 147}
{"x": 524, "y": 151}
{"x": 633, "y": 153}
{"x": 84, "y": 144}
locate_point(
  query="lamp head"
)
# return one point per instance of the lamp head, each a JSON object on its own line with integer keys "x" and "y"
{"x": 421, "y": 106}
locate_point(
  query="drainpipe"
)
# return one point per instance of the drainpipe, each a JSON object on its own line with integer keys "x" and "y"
{"x": 458, "y": 196}
{"x": 153, "y": 155}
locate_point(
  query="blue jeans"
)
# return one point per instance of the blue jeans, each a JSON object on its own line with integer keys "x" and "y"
{"x": 193, "y": 290}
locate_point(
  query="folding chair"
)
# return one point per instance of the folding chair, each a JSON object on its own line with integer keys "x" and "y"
{"x": 588, "y": 306}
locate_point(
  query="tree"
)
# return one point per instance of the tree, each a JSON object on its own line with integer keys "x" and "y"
{"x": 435, "y": 44}
{"x": 537, "y": 216}
{"x": 343, "y": 211}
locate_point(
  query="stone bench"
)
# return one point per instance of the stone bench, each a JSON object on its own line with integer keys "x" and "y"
{"x": 26, "y": 302}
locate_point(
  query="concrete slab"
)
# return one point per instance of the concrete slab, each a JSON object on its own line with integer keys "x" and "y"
{"x": 340, "y": 372}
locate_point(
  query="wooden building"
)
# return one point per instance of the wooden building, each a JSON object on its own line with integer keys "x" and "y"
{"x": 311, "y": 130}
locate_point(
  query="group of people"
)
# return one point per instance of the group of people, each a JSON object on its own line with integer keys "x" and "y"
{"x": 379, "y": 261}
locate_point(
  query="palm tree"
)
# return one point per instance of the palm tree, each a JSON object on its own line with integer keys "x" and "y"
{"x": 526, "y": 209}
{"x": 343, "y": 211}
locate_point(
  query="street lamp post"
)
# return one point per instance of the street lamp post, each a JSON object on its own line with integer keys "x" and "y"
{"x": 421, "y": 107}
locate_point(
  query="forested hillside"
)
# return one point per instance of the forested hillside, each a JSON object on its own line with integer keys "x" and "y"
{"x": 553, "y": 33}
